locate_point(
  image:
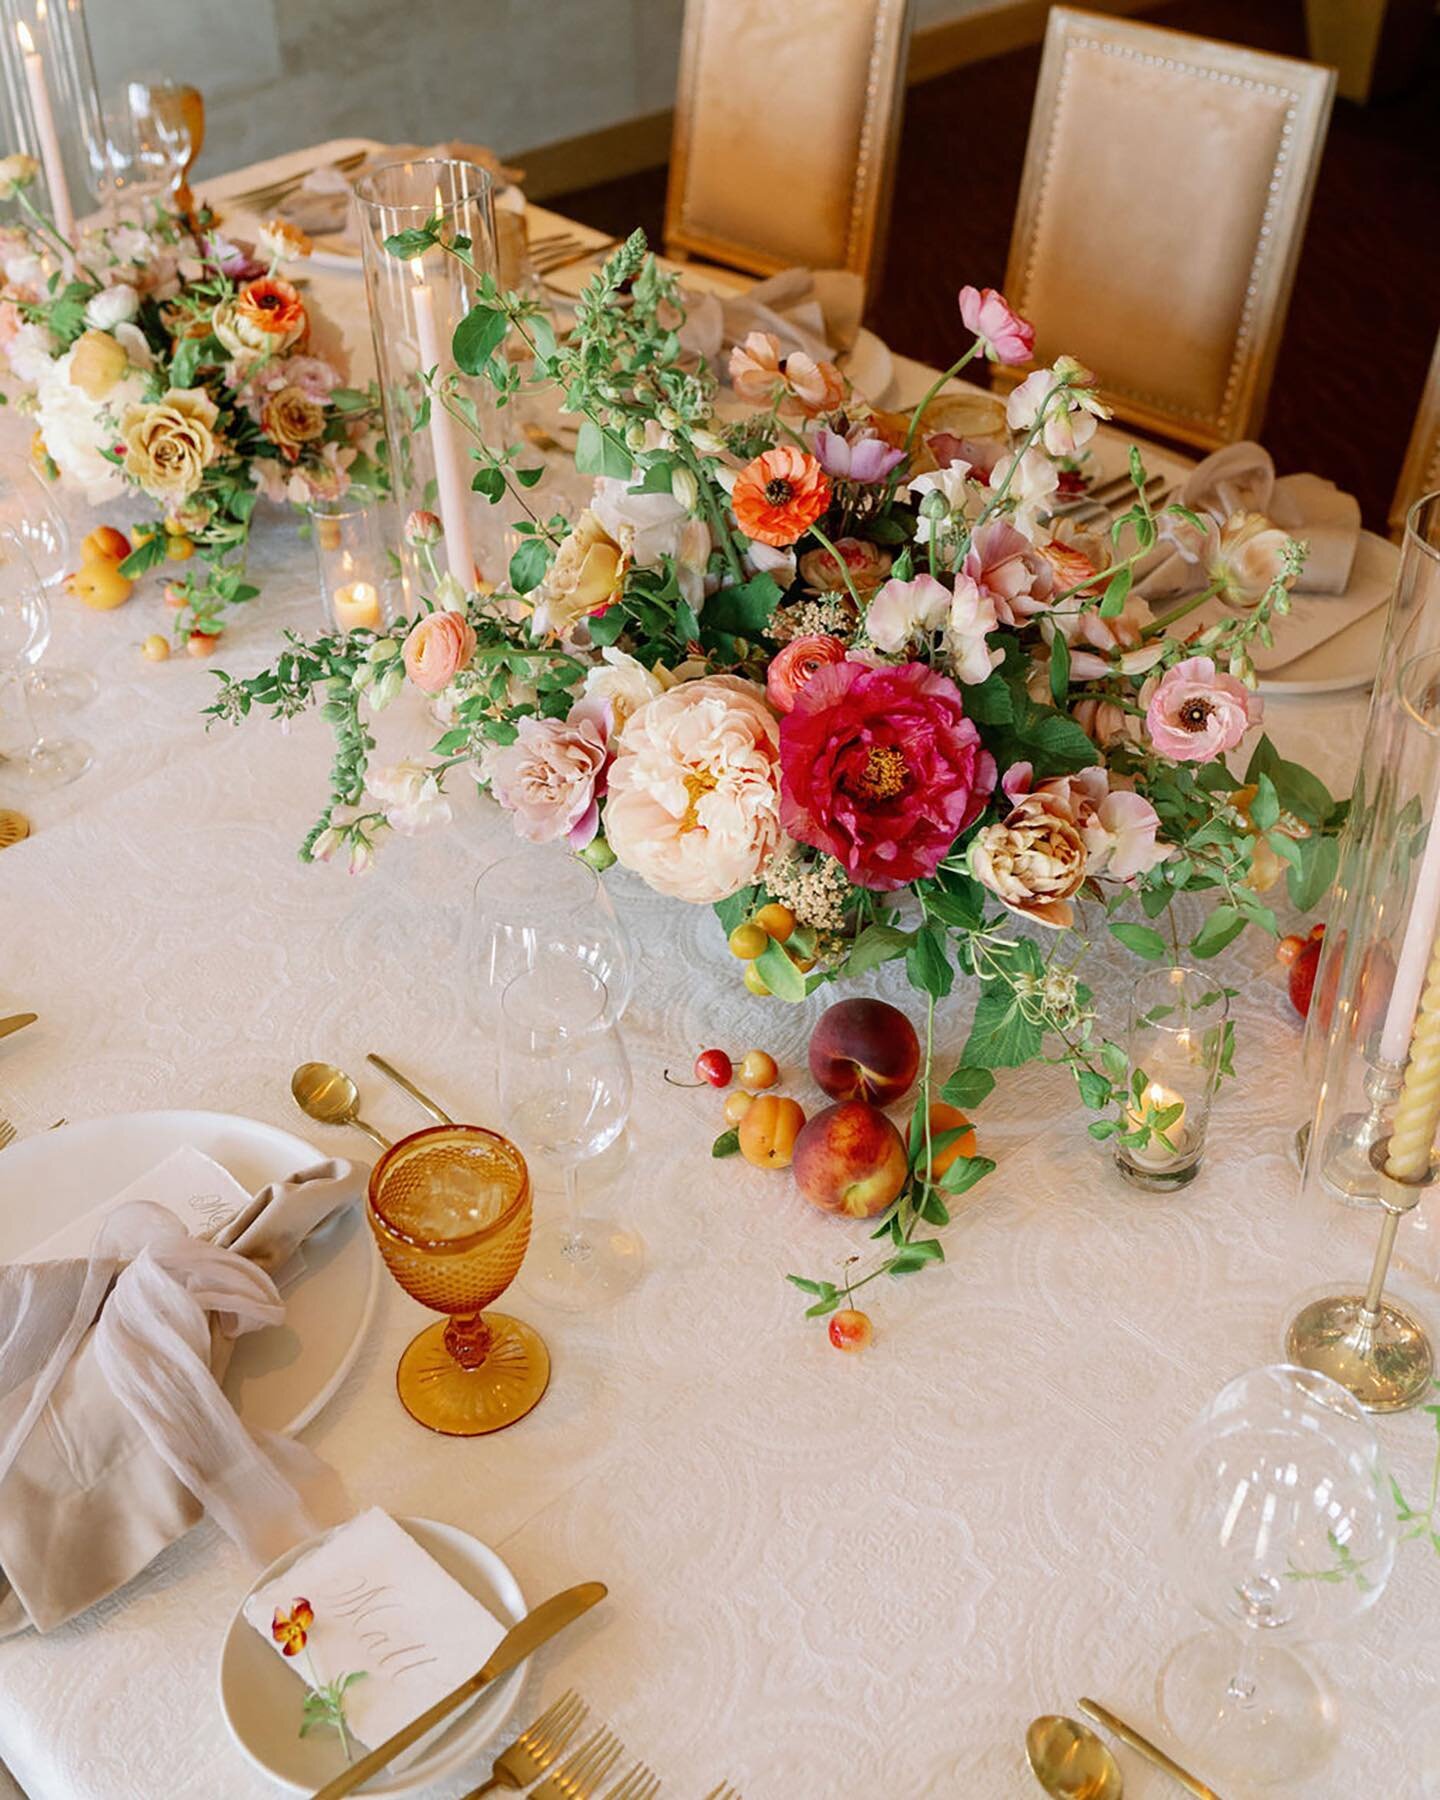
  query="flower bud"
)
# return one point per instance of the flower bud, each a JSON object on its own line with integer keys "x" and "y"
{"x": 668, "y": 418}
{"x": 423, "y": 528}
{"x": 382, "y": 650}
{"x": 707, "y": 442}
{"x": 934, "y": 506}
{"x": 598, "y": 854}
{"x": 635, "y": 435}
{"x": 684, "y": 487}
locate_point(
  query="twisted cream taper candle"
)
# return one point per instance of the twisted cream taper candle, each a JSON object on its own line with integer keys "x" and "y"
{"x": 1417, "y": 1112}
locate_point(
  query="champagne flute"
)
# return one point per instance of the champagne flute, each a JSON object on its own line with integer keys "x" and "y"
{"x": 566, "y": 1087}
{"x": 24, "y": 632}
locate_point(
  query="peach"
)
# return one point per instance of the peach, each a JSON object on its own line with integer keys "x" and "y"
{"x": 769, "y": 1130}
{"x": 104, "y": 544}
{"x": 864, "y": 1050}
{"x": 851, "y": 1160}
{"x": 944, "y": 1117}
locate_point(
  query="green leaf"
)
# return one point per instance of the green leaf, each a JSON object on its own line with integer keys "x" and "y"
{"x": 1115, "y": 1060}
{"x": 1299, "y": 791}
{"x": 914, "y": 1256}
{"x": 964, "y": 1172}
{"x": 736, "y": 908}
{"x": 1095, "y": 1091}
{"x": 528, "y": 564}
{"x": 1222, "y": 927}
{"x": 145, "y": 556}
{"x": 968, "y": 1088}
{"x": 1141, "y": 939}
{"x": 989, "y": 702}
{"x": 727, "y": 1144}
{"x": 1001, "y": 1037}
{"x": 810, "y": 1287}
{"x": 779, "y": 974}
{"x": 656, "y": 479}
{"x": 1117, "y": 591}
{"x": 1313, "y": 876}
{"x": 1054, "y": 743}
{"x": 1059, "y": 669}
{"x": 745, "y": 609}
{"x": 1265, "y": 807}
{"x": 490, "y": 482}
{"x": 477, "y": 337}
{"x": 876, "y": 944}
{"x": 927, "y": 963}
{"x": 409, "y": 244}
{"x": 600, "y": 452}
{"x": 1100, "y": 1129}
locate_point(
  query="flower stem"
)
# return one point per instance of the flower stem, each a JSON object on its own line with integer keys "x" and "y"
{"x": 1158, "y": 627}
{"x": 934, "y": 389}
{"x": 815, "y": 531}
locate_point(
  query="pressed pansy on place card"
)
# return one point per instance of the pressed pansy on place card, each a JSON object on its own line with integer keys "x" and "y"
{"x": 202, "y": 1195}
{"x": 381, "y": 1606}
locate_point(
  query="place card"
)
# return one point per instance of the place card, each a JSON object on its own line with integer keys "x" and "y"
{"x": 383, "y": 1606}
{"x": 203, "y": 1196}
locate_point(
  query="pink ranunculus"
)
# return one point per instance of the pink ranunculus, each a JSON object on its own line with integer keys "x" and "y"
{"x": 1003, "y": 563}
{"x": 882, "y": 770}
{"x": 549, "y": 777}
{"x": 864, "y": 458}
{"x": 438, "y": 648}
{"x": 1006, "y": 336}
{"x": 1196, "y": 714}
{"x": 796, "y": 663}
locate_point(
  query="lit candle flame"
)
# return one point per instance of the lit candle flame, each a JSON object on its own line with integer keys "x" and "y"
{"x": 27, "y": 43}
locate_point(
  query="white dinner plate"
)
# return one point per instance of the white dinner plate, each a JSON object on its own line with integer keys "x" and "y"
{"x": 1351, "y": 657}
{"x": 278, "y": 1378}
{"x": 260, "y": 1697}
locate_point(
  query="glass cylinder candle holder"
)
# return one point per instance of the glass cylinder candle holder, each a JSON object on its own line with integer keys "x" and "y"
{"x": 1177, "y": 1039}
{"x": 52, "y": 104}
{"x": 415, "y": 305}
{"x": 353, "y": 566}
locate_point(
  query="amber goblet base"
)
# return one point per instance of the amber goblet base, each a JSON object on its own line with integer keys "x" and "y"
{"x": 442, "y": 1389}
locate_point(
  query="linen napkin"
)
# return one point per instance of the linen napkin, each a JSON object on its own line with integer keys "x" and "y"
{"x": 385, "y": 1608}
{"x": 816, "y": 311}
{"x": 1241, "y": 479}
{"x": 114, "y": 1433}
{"x": 321, "y": 204}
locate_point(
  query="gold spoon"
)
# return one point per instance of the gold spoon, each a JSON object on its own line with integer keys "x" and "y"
{"x": 1070, "y": 1762}
{"x": 329, "y": 1096}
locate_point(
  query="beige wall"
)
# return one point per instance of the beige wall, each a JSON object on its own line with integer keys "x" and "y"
{"x": 516, "y": 74}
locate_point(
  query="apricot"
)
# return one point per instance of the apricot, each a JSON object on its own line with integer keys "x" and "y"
{"x": 769, "y": 1129}
{"x": 100, "y": 585}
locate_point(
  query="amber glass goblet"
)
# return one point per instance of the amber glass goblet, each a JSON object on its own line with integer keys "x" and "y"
{"x": 450, "y": 1209}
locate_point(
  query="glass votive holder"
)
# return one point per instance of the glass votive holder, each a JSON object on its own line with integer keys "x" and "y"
{"x": 354, "y": 569}
{"x": 1177, "y": 1041}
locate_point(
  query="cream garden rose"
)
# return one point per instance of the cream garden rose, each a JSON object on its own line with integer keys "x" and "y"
{"x": 170, "y": 443}
{"x": 292, "y": 418}
{"x": 587, "y": 573}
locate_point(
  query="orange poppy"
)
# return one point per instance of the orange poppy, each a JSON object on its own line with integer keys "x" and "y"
{"x": 289, "y": 1630}
{"x": 780, "y": 495}
{"x": 272, "y": 305}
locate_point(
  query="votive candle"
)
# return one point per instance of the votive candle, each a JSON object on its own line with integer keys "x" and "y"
{"x": 357, "y": 606}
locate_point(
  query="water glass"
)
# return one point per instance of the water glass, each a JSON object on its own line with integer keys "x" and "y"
{"x": 352, "y": 564}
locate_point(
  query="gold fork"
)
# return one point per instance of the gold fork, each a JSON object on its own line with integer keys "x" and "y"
{"x": 536, "y": 1747}
{"x": 639, "y": 1784}
{"x": 724, "y": 1792}
{"x": 581, "y": 1773}
{"x": 7, "y": 1133}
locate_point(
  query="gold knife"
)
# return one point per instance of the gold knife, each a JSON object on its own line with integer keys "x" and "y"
{"x": 520, "y": 1641}
{"x": 1127, "y": 1734}
{"x": 16, "y": 1022}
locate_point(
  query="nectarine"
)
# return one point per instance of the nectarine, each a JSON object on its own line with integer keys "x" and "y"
{"x": 864, "y": 1050}
{"x": 850, "y": 1159}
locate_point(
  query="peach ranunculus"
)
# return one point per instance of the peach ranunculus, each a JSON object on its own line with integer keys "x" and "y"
{"x": 547, "y": 779}
{"x": 694, "y": 795}
{"x": 779, "y": 495}
{"x": 866, "y": 564}
{"x": 438, "y": 648}
{"x": 760, "y": 374}
{"x": 796, "y": 663}
{"x": 278, "y": 239}
{"x": 291, "y": 419}
{"x": 587, "y": 574}
{"x": 169, "y": 443}
{"x": 266, "y": 317}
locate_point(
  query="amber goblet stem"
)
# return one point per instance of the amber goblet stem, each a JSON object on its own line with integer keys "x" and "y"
{"x": 468, "y": 1339}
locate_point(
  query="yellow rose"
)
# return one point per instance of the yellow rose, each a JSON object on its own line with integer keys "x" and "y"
{"x": 169, "y": 443}
{"x": 98, "y": 363}
{"x": 16, "y": 171}
{"x": 291, "y": 418}
{"x": 587, "y": 574}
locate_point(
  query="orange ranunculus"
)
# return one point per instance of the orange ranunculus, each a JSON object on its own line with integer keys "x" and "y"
{"x": 273, "y": 306}
{"x": 289, "y": 1630}
{"x": 780, "y": 495}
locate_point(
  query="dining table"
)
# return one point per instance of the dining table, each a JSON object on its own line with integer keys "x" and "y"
{"x": 829, "y": 1576}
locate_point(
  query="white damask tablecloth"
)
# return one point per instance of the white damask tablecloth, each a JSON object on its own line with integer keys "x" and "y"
{"x": 830, "y": 1576}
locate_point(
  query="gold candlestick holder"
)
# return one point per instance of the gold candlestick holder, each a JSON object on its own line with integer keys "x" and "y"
{"x": 1378, "y": 1352}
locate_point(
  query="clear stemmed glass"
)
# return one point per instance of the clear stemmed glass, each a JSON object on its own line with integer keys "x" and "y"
{"x": 1278, "y": 1527}
{"x": 565, "y": 1087}
{"x": 30, "y": 517}
{"x": 24, "y": 631}
{"x": 539, "y": 898}
{"x": 149, "y": 139}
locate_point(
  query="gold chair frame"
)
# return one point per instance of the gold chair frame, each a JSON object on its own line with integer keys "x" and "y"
{"x": 1420, "y": 472}
{"x": 1307, "y": 93}
{"x": 687, "y": 232}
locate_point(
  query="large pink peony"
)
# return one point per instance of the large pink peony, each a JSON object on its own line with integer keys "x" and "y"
{"x": 881, "y": 769}
{"x": 694, "y": 803}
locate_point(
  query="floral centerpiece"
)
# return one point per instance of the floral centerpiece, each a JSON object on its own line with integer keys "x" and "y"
{"x": 827, "y": 662}
{"x": 168, "y": 362}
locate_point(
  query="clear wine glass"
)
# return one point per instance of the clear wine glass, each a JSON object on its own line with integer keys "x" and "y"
{"x": 149, "y": 139}
{"x": 30, "y": 517}
{"x": 539, "y": 897}
{"x": 565, "y": 1088}
{"x": 1278, "y": 1527}
{"x": 43, "y": 762}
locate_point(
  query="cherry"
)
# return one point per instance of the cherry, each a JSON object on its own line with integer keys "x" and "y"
{"x": 715, "y": 1067}
{"x": 758, "y": 1069}
{"x": 851, "y": 1330}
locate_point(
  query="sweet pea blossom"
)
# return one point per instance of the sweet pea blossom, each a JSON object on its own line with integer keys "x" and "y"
{"x": 1029, "y": 480}
{"x": 1003, "y": 563}
{"x": 970, "y": 620}
{"x": 1063, "y": 394}
{"x": 905, "y": 610}
{"x": 1196, "y": 714}
{"x": 948, "y": 482}
{"x": 409, "y": 793}
{"x": 1006, "y": 337}
{"x": 866, "y": 458}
